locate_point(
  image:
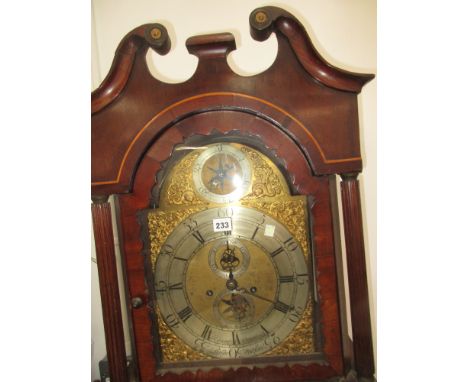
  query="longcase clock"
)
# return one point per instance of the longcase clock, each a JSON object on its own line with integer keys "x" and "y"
{"x": 227, "y": 212}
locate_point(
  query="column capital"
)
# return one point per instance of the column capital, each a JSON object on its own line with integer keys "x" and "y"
{"x": 99, "y": 199}
{"x": 349, "y": 176}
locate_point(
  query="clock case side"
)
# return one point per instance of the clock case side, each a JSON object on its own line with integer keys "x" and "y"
{"x": 119, "y": 143}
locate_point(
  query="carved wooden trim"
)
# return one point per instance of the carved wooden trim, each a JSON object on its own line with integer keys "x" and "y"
{"x": 211, "y": 45}
{"x": 229, "y": 99}
{"x": 109, "y": 288}
{"x": 148, "y": 35}
{"x": 357, "y": 276}
{"x": 265, "y": 20}
{"x": 273, "y": 20}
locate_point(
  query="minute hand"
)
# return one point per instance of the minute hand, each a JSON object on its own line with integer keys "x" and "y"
{"x": 256, "y": 295}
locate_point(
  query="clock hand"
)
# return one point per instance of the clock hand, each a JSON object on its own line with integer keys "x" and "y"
{"x": 220, "y": 165}
{"x": 243, "y": 290}
{"x": 231, "y": 284}
{"x": 222, "y": 183}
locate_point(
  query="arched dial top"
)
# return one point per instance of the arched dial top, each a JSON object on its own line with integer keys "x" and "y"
{"x": 221, "y": 173}
{"x": 229, "y": 254}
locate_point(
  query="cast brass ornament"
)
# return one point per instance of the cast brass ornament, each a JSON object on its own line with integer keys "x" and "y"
{"x": 261, "y": 17}
{"x": 229, "y": 253}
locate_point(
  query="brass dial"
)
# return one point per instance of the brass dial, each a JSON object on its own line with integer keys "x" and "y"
{"x": 231, "y": 294}
{"x": 229, "y": 247}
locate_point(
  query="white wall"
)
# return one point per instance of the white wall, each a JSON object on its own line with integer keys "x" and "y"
{"x": 344, "y": 32}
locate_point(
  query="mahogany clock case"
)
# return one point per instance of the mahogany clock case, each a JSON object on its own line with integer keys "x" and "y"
{"x": 301, "y": 113}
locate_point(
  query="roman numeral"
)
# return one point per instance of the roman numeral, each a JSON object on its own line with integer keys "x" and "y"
{"x": 206, "y": 334}
{"x": 172, "y": 321}
{"x": 285, "y": 279}
{"x": 281, "y": 306}
{"x": 162, "y": 287}
{"x": 235, "y": 338}
{"x": 265, "y": 330}
{"x": 197, "y": 235}
{"x": 291, "y": 245}
{"x": 175, "y": 286}
{"x": 277, "y": 251}
{"x": 185, "y": 313}
{"x": 255, "y": 232}
{"x": 167, "y": 250}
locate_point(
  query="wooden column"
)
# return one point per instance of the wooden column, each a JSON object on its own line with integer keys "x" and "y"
{"x": 109, "y": 288}
{"x": 357, "y": 276}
